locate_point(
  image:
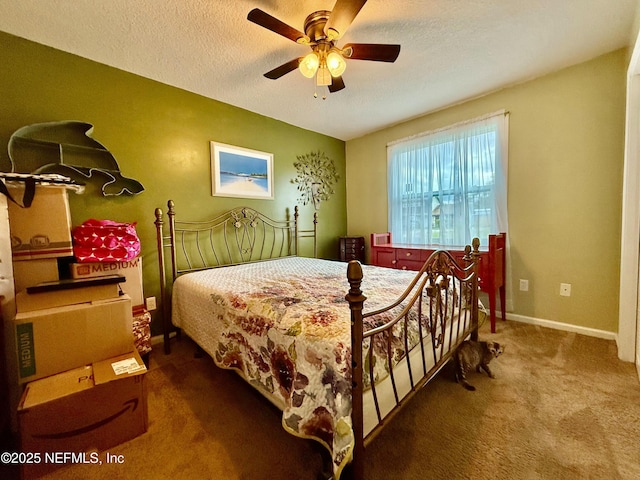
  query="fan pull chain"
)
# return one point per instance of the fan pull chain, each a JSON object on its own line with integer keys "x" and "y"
{"x": 315, "y": 94}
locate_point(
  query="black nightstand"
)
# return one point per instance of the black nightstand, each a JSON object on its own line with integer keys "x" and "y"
{"x": 352, "y": 248}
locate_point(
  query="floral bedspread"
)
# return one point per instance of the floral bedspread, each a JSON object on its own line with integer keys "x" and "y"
{"x": 285, "y": 325}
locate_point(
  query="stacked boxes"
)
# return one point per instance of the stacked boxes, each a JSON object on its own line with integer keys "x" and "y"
{"x": 70, "y": 338}
{"x": 132, "y": 271}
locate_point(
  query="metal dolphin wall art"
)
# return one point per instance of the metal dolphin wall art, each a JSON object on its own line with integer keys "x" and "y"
{"x": 66, "y": 148}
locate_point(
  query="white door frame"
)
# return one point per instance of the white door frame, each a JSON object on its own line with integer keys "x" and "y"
{"x": 628, "y": 331}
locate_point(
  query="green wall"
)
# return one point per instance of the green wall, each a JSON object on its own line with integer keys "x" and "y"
{"x": 566, "y": 149}
{"x": 160, "y": 136}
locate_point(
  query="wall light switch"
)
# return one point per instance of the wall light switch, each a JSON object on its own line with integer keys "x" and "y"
{"x": 524, "y": 285}
{"x": 565, "y": 289}
{"x": 151, "y": 303}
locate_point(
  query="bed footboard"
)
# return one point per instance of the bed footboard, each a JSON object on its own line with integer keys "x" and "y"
{"x": 443, "y": 301}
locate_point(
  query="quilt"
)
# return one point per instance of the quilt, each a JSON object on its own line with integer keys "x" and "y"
{"x": 284, "y": 324}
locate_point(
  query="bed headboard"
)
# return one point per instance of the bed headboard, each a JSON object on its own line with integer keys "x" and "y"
{"x": 239, "y": 235}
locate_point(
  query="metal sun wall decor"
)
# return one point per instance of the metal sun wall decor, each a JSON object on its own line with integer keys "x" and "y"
{"x": 316, "y": 176}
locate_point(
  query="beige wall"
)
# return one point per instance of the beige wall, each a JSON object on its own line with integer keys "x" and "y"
{"x": 565, "y": 183}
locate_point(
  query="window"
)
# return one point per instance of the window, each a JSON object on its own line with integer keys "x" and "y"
{"x": 448, "y": 186}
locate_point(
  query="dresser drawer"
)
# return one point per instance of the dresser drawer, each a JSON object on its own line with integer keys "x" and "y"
{"x": 384, "y": 257}
{"x": 352, "y": 248}
{"x": 408, "y": 264}
{"x": 413, "y": 254}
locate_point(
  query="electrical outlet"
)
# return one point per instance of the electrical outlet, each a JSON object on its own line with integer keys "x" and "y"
{"x": 565, "y": 289}
{"x": 151, "y": 303}
{"x": 524, "y": 285}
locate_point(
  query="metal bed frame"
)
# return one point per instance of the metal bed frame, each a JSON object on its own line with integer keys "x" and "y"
{"x": 245, "y": 235}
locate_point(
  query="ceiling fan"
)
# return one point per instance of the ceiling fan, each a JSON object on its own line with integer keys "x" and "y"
{"x": 321, "y": 30}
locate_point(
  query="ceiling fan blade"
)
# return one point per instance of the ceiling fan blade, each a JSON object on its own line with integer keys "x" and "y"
{"x": 283, "y": 69}
{"x": 376, "y": 52}
{"x": 337, "y": 84}
{"x": 342, "y": 15}
{"x": 269, "y": 22}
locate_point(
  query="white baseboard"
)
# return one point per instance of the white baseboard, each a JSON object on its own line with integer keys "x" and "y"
{"x": 591, "y": 332}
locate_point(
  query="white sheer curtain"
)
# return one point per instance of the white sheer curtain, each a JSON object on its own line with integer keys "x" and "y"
{"x": 448, "y": 186}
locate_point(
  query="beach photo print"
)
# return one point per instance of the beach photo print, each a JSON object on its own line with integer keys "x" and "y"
{"x": 240, "y": 172}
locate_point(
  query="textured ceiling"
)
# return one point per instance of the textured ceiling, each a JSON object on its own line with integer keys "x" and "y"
{"x": 452, "y": 50}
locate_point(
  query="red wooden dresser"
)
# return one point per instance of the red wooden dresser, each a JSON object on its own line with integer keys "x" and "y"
{"x": 385, "y": 253}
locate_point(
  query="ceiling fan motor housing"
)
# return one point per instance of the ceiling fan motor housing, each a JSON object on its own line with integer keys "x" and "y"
{"x": 314, "y": 25}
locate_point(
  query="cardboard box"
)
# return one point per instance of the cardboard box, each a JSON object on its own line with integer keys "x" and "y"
{"x": 28, "y": 302}
{"x": 54, "y": 340}
{"x": 89, "y": 409}
{"x": 44, "y": 229}
{"x": 131, "y": 269}
{"x": 31, "y": 272}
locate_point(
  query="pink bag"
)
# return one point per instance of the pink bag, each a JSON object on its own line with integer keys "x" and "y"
{"x": 105, "y": 241}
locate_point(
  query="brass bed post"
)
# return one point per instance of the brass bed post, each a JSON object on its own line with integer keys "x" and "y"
{"x": 474, "y": 257}
{"x": 356, "y": 300}
{"x": 171, "y": 213}
{"x": 163, "y": 280}
{"x": 315, "y": 234}
{"x": 295, "y": 228}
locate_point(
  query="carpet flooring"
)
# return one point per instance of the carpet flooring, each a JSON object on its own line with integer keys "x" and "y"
{"x": 562, "y": 406}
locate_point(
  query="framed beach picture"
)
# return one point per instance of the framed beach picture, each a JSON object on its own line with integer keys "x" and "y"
{"x": 240, "y": 172}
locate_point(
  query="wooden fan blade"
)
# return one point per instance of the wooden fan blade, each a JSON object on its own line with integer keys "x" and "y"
{"x": 341, "y": 17}
{"x": 376, "y": 52}
{"x": 337, "y": 84}
{"x": 265, "y": 20}
{"x": 283, "y": 69}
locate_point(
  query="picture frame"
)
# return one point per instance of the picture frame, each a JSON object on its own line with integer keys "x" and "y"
{"x": 241, "y": 172}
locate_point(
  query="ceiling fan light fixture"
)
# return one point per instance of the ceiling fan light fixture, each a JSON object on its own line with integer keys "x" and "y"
{"x": 336, "y": 63}
{"x": 309, "y": 65}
